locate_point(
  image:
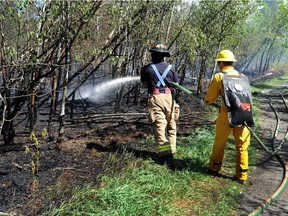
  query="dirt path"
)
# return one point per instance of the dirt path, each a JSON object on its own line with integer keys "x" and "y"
{"x": 268, "y": 174}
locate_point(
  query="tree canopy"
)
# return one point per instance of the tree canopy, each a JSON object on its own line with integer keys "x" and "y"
{"x": 49, "y": 49}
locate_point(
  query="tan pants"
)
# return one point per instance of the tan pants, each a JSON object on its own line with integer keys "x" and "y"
{"x": 242, "y": 141}
{"x": 163, "y": 113}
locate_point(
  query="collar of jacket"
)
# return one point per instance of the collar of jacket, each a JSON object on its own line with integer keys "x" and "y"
{"x": 227, "y": 68}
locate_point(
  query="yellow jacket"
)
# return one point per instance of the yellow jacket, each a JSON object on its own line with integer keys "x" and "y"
{"x": 216, "y": 87}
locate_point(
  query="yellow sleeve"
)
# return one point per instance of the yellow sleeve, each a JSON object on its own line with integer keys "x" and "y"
{"x": 214, "y": 89}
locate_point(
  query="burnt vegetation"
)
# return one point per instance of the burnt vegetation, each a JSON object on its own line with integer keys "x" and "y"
{"x": 51, "y": 51}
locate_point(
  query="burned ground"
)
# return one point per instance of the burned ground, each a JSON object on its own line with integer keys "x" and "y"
{"x": 92, "y": 138}
{"x": 93, "y": 146}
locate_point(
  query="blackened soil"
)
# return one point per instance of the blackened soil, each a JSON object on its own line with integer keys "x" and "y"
{"x": 93, "y": 146}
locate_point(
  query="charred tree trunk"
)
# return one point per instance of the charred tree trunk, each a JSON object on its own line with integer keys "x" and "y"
{"x": 8, "y": 132}
{"x": 215, "y": 63}
{"x": 55, "y": 83}
{"x": 32, "y": 115}
{"x": 52, "y": 104}
{"x": 268, "y": 58}
{"x": 201, "y": 74}
{"x": 280, "y": 55}
{"x": 7, "y": 129}
{"x": 65, "y": 80}
{"x": 119, "y": 99}
{"x": 61, "y": 118}
{"x": 72, "y": 106}
{"x": 169, "y": 25}
{"x": 248, "y": 62}
{"x": 3, "y": 108}
{"x": 261, "y": 64}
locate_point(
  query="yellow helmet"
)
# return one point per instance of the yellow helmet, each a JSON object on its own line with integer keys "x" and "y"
{"x": 226, "y": 56}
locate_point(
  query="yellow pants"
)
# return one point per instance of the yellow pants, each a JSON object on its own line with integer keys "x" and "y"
{"x": 162, "y": 115}
{"x": 242, "y": 141}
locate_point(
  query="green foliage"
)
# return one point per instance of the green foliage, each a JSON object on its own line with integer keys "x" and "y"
{"x": 149, "y": 140}
{"x": 44, "y": 133}
{"x": 266, "y": 40}
{"x": 10, "y": 52}
{"x": 36, "y": 155}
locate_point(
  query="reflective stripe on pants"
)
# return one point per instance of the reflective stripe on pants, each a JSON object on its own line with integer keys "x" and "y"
{"x": 164, "y": 149}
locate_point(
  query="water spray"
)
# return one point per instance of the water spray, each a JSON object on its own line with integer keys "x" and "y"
{"x": 104, "y": 89}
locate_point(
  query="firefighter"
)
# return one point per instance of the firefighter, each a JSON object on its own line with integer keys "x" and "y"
{"x": 225, "y": 60}
{"x": 158, "y": 77}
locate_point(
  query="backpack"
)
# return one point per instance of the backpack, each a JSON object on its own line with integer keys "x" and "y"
{"x": 238, "y": 100}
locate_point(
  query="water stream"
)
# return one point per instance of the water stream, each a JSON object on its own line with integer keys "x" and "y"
{"x": 104, "y": 90}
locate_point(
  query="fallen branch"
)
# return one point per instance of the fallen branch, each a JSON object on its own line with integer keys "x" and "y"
{"x": 102, "y": 118}
{"x": 112, "y": 115}
{"x": 18, "y": 167}
{"x": 6, "y": 214}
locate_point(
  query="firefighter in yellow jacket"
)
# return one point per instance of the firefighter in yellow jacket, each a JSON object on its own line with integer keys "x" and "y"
{"x": 225, "y": 60}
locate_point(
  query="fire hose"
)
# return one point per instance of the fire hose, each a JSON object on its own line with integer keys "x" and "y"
{"x": 275, "y": 151}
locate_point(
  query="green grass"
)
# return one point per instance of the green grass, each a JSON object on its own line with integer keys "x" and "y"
{"x": 270, "y": 83}
{"x": 147, "y": 188}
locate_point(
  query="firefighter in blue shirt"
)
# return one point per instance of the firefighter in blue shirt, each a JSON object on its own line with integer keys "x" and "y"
{"x": 159, "y": 76}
